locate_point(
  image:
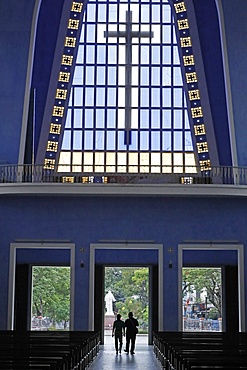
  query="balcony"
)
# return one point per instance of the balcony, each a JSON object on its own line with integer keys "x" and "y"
{"x": 171, "y": 175}
{"x": 214, "y": 181}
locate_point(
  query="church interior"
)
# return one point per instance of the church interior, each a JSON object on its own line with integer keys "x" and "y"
{"x": 123, "y": 143}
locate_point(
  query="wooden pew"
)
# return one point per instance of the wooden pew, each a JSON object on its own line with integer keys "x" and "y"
{"x": 201, "y": 350}
{"x": 54, "y": 350}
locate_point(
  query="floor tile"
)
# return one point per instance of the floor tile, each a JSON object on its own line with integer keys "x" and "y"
{"x": 144, "y": 359}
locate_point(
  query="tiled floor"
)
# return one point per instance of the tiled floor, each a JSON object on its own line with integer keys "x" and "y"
{"x": 143, "y": 359}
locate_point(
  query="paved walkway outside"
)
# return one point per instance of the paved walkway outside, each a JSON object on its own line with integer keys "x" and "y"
{"x": 144, "y": 359}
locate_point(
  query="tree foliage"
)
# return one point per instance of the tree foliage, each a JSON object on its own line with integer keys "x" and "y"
{"x": 201, "y": 279}
{"x": 51, "y": 293}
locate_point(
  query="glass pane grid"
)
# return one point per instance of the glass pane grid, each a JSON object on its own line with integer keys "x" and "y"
{"x": 127, "y": 94}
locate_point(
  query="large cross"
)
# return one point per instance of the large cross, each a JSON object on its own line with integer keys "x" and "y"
{"x": 128, "y": 34}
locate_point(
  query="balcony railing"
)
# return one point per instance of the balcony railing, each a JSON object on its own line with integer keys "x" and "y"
{"x": 170, "y": 175}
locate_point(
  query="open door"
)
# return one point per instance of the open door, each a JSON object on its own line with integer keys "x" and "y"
{"x": 99, "y": 310}
{"x": 231, "y": 299}
{"x": 22, "y": 301}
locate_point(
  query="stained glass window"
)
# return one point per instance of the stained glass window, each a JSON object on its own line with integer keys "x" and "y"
{"x": 127, "y": 110}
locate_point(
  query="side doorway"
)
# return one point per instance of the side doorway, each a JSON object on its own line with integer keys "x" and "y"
{"x": 230, "y": 260}
{"x": 42, "y": 298}
{"x": 23, "y": 256}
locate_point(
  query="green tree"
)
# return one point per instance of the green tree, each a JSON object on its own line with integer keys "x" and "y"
{"x": 51, "y": 293}
{"x": 204, "y": 278}
{"x": 140, "y": 280}
{"x": 113, "y": 277}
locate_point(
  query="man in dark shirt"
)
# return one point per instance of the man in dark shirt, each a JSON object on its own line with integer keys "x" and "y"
{"x": 118, "y": 330}
{"x": 131, "y": 330}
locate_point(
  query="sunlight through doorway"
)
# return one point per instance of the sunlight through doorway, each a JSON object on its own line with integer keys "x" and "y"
{"x": 202, "y": 299}
{"x": 50, "y": 301}
{"x": 126, "y": 289}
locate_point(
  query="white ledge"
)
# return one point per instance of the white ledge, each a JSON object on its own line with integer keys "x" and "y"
{"x": 136, "y": 190}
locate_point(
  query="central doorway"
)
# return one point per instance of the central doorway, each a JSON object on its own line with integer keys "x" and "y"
{"x": 126, "y": 289}
{"x": 114, "y": 254}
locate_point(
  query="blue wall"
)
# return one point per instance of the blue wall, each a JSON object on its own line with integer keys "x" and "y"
{"x": 85, "y": 220}
{"x": 236, "y": 35}
{"x": 15, "y": 27}
{"x": 210, "y": 42}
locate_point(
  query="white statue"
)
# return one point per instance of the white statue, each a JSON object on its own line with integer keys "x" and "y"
{"x": 109, "y": 299}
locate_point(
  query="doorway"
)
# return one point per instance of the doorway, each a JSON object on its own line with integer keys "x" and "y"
{"x": 50, "y": 303}
{"x": 233, "y": 296}
{"x": 101, "y": 320}
{"x": 202, "y": 299}
{"x": 97, "y": 293}
{"x": 22, "y": 257}
{"x": 126, "y": 289}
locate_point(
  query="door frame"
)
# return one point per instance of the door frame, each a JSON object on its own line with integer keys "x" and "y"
{"x": 125, "y": 246}
{"x": 239, "y": 248}
{"x": 12, "y": 268}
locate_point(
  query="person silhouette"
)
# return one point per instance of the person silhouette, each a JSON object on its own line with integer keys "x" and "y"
{"x": 118, "y": 330}
{"x": 131, "y": 330}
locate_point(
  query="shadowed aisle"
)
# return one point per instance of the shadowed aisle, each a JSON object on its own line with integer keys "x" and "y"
{"x": 143, "y": 358}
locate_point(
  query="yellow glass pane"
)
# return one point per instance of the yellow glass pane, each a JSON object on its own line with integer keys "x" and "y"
{"x": 121, "y": 159}
{"x": 178, "y": 162}
{"x": 77, "y": 158}
{"x": 133, "y": 169}
{"x": 64, "y": 160}
{"x": 88, "y": 158}
{"x": 155, "y": 159}
{"x": 110, "y": 159}
{"x": 110, "y": 169}
{"x": 144, "y": 163}
{"x": 88, "y": 162}
{"x": 189, "y": 160}
{"x": 110, "y": 162}
{"x": 99, "y": 158}
{"x": 121, "y": 169}
{"x": 144, "y": 159}
{"x": 166, "y": 163}
{"x": 76, "y": 162}
{"x": 144, "y": 169}
{"x": 155, "y": 162}
{"x": 99, "y": 169}
{"x": 87, "y": 168}
{"x": 133, "y": 159}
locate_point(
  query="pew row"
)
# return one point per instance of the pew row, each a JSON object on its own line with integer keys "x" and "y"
{"x": 38, "y": 350}
{"x": 200, "y": 350}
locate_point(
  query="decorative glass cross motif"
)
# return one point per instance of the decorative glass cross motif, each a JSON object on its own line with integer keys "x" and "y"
{"x": 128, "y": 34}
